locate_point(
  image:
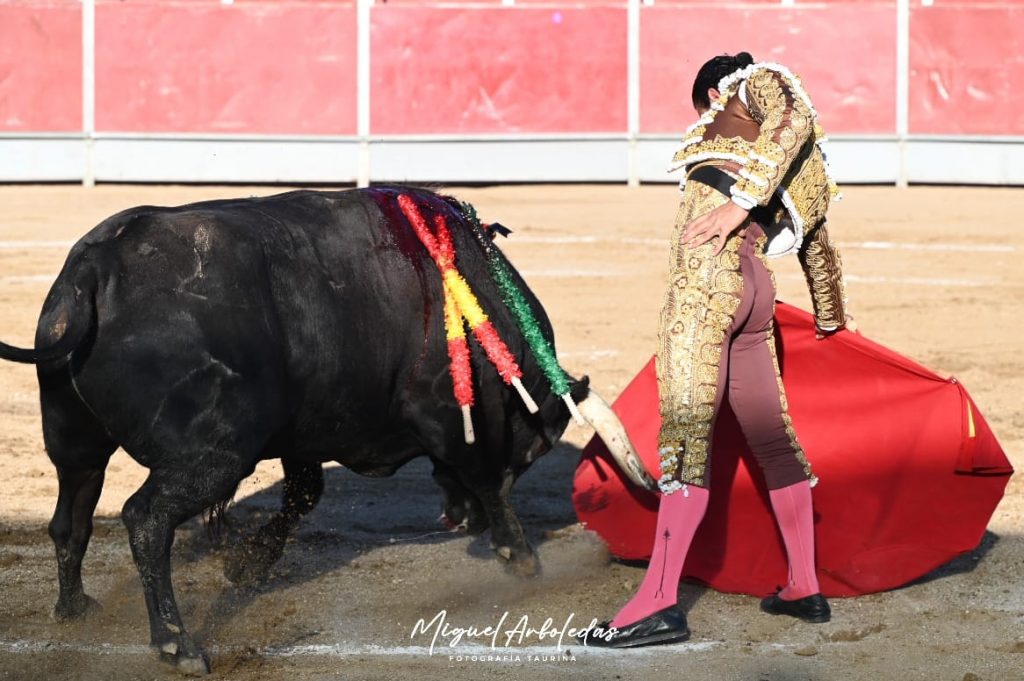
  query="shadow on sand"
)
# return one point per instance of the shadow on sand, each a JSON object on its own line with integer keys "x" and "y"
{"x": 358, "y": 514}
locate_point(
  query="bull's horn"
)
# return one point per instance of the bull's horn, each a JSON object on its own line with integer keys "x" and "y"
{"x": 610, "y": 429}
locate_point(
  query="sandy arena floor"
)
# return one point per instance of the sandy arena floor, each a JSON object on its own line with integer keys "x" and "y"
{"x": 931, "y": 272}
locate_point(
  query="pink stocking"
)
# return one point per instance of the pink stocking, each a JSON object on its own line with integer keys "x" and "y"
{"x": 679, "y": 517}
{"x": 795, "y": 516}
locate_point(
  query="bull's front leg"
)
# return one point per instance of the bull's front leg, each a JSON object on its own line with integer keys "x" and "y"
{"x": 507, "y": 537}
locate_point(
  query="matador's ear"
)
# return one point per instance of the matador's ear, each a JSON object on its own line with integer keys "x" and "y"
{"x": 579, "y": 389}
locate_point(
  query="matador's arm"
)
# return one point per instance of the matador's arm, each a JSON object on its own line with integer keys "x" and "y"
{"x": 786, "y": 121}
{"x": 823, "y": 270}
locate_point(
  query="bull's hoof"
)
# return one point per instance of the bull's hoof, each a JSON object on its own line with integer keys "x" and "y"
{"x": 466, "y": 525}
{"x": 182, "y": 653}
{"x": 77, "y": 607}
{"x": 523, "y": 564}
{"x": 189, "y": 665}
{"x": 193, "y": 666}
{"x": 464, "y": 518}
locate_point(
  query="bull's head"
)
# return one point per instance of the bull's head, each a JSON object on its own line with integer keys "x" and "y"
{"x": 605, "y": 422}
{"x": 532, "y": 436}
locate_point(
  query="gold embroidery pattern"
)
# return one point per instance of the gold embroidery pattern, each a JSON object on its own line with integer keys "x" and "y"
{"x": 700, "y": 303}
{"x": 798, "y": 451}
{"x": 823, "y": 270}
{"x": 719, "y": 148}
{"x": 786, "y": 124}
{"x": 808, "y": 194}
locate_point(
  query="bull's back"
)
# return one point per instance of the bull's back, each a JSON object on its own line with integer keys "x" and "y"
{"x": 302, "y": 297}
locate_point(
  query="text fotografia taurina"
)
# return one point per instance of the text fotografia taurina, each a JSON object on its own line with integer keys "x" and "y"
{"x": 506, "y": 633}
{"x": 564, "y": 656}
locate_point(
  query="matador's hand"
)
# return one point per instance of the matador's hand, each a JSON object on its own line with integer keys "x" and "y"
{"x": 850, "y": 325}
{"x": 720, "y": 222}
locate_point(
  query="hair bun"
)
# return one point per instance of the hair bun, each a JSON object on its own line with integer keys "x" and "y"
{"x": 712, "y": 73}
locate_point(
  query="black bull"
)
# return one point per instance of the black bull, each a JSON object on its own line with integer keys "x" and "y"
{"x": 306, "y": 326}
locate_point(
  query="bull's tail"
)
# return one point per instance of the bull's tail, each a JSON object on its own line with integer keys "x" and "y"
{"x": 76, "y": 309}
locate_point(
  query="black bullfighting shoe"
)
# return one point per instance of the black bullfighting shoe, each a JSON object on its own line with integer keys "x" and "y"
{"x": 809, "y": 609}
{"x": 664, "y": 626}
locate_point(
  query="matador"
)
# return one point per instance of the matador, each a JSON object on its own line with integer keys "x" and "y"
{"x": 757, "y": 186}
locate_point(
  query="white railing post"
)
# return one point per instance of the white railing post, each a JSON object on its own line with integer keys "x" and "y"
{"x": 88, "y": 88}
{"x": 363, "y": 90}
{"x": 902, "y": 87}
{"x": 632, "y": 89}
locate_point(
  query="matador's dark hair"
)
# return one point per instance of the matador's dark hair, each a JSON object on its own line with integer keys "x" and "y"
{"x": 714, "y": 70}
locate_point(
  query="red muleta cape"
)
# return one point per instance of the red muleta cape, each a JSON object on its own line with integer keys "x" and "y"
{"x": 910, "y": 472}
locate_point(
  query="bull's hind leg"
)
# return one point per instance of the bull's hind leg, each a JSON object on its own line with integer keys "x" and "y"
{"x": 79, "y": 449}
{"x": 167, "y": 498}
{"x": 250, "y": 560}
{"x": 70, "y": 529}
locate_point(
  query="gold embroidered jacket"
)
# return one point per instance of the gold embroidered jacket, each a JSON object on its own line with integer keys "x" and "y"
{"x": 764, "y": 130}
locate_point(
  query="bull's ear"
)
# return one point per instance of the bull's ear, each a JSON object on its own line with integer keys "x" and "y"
{"x": 496, "y": 228}
{"x": 579, "y": 389}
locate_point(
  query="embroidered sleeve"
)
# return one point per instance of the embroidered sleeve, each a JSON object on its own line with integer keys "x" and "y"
{"x": 786, "y": 121}
{"x": 824, "y": 273}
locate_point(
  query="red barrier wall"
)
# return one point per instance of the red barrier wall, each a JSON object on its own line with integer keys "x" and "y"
{"x": 542, "y": 66}
{"x": 41, "y": 66}
{"x": 967, "y": 68}
{"x": 249, "y": 67}
{"x": 501, "y": 70}
{"x": 845, "y": 56}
